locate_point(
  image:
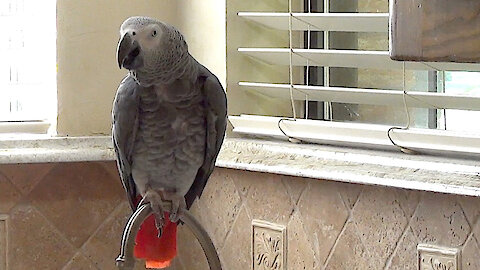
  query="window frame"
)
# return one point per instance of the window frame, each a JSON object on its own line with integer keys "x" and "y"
{"x": 345, "y": 134}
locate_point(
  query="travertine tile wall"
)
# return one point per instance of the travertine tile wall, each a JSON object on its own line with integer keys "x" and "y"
{"x": 70, "y": 216}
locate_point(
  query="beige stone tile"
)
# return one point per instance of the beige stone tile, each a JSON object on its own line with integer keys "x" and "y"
{"x": 34, "y": 243}
{"x": 189, "y": 250}
{"x": 408, "y": 200}
{"x": 380, "y": 222}
{"x": 323, "y": 214}
{"x": 196, "y": 210}
{"x": 111, "y": 167}
{"x": 471, "y": 255}
{"x": 471, "y": 207}
{"x": 25, "y": 176}
{"x": 349, "y": 193}
{"x": 295, "y": 186}
{"x": 349, "y": 253}
{"x": 267, "y": 199}
{"x": 220, "y": 203}
{"x": 177, "y": 264}
{"x": 237, "y": 251}
{"x": 299, "y": 251}
{"x": 440, "y": 220}
{"x": 242, "y": 179}
{"x": 405, "y": 257}
{"x": 476, "y": 232}
{"x": 104, "y": 246}
{"x": 9, "y": 196}
{"x": 77, "y": 198}
{"x": 79, "y": 262}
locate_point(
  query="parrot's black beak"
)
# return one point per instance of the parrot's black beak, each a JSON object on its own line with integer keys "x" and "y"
{"x": 128, "y": 52}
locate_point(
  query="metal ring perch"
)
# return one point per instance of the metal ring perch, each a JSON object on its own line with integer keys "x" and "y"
{"x": 126, "y": 260}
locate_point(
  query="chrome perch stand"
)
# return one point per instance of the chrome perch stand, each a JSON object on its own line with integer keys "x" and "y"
{"x": 126, "y": 260}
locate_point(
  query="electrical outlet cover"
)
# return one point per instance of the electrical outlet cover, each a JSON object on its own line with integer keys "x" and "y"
{"x": 432, "y": 257}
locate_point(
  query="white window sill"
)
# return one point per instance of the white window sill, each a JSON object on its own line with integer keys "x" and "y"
{"x": 393, "y": 169}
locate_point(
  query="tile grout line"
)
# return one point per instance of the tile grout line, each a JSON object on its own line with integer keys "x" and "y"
{"x": 71, "y": 260}
{"x": 388, "y": 262}
{"x": 220, "y": 250}
{"x": 295, "y": 208}
{"x": 315, "y": 259}
{"x": 81, "y": 249}
{"x": 462, "y": 248}
{"x": 345, "y": 202}
{"x": 224, "y": 239}
{"x": 349, "y": 219}
{"x": 22, "y": 196}
{"x": 301, "y": 194}
{"x": 334, "y": 246}
{"x": 295, "y": 203}
{"x": 64, "y": 238}
{"x": 41, "y": 178}
{"x": 116, "y": 210}
{"x": 477, "y": 223}
{"x": 470, "y": 234}
{"x": 468, "y": 222}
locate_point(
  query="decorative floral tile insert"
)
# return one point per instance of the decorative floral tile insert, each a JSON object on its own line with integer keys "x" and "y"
{"x": 437, "y": 258}
{"x": 268, "y": 246}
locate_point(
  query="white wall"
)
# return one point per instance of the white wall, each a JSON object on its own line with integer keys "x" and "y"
{"x": 203, "y": 25}
{"x": 88, "y": 76}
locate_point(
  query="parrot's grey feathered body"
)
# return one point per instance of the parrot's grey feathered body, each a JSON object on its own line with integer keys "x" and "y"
{"x": 169, "y": 116}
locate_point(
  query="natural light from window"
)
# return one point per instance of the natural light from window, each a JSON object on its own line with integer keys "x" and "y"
{"x": 462, "y": 83}
{"x": 28, "y": 66}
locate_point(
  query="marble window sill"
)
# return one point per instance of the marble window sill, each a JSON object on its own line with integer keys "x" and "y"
{"x": 43, "y": 148}
{"x": 361, "y": 166}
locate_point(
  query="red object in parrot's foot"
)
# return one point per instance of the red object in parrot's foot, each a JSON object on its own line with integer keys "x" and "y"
{"x": 158, "y": 252}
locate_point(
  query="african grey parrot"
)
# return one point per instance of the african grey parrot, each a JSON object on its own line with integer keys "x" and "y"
{"x": 169, "y": 118}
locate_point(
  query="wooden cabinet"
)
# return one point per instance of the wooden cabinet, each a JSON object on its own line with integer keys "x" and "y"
{"x": 435, "y": 30}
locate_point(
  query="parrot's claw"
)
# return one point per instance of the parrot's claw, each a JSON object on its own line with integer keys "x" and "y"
{"x": 155, "y": 201}
{"x": 178, "y": 203}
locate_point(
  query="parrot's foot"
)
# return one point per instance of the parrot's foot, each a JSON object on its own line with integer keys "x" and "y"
{"x": 178, "y": 204}
{"x": 156, "y": 201}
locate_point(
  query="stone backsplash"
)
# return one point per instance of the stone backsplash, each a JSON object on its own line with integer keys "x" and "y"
{"x": 71, "y": 215}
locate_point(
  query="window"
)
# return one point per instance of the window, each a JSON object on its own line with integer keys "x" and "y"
{"x": 28, "y": 66}
{"x": 464, "y": 84}
{"x": 320, "y": 71}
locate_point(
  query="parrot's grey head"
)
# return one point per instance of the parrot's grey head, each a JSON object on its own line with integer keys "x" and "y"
{"x": 148, "y": 46}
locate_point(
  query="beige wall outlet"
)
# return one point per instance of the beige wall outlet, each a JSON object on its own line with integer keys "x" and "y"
{"x": 268, "y": 246}
{"x": 437, "y": 258}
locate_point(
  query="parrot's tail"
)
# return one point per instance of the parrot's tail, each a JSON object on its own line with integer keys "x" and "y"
{"x": 157, "y": 252}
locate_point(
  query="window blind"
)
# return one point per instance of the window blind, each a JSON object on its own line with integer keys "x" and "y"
{"x": 332, "y": 132}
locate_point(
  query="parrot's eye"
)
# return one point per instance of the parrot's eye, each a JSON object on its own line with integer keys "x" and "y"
{"x": 133, "y": 33}
{"x": 154, "y": 33}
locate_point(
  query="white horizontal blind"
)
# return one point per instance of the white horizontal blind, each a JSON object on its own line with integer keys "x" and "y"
{"x": 346, "y": 133}
{"x": 28, "y": 66}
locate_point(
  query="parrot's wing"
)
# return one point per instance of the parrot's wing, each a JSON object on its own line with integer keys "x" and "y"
{"x": 216, "y": 121}
{"x": 125, "y": 125}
